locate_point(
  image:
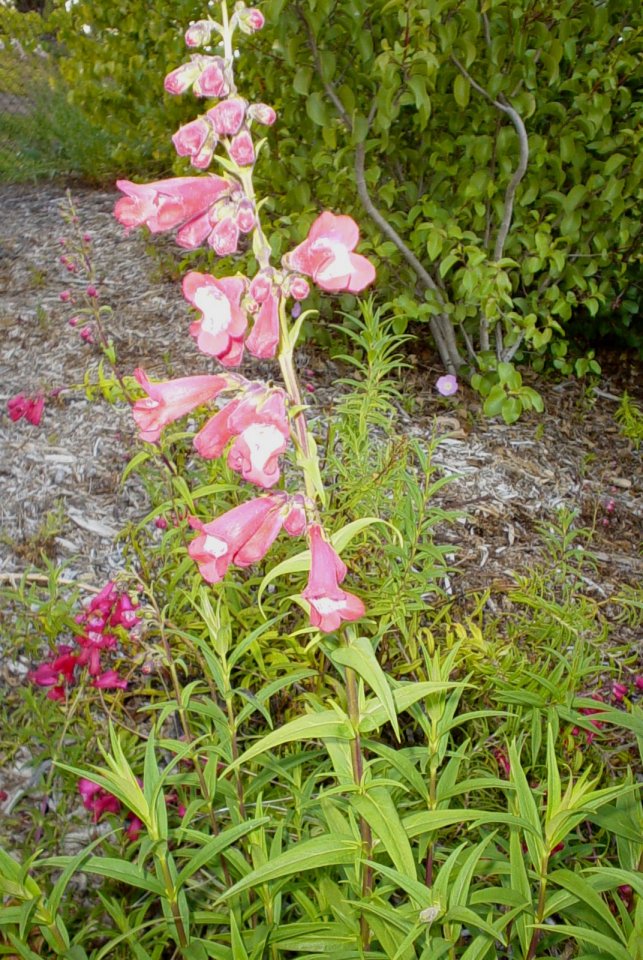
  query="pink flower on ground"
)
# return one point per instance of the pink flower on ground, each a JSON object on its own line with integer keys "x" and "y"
{"x": 242, "y": 149}
{"x": 258, "y": 423}
{"x": 220, "y": 329}
{"x": 97, "y": 799}
{"x": 124, "y": 613}
{"x": 92, "y": 644}
{"x": 169, "y": 400}
{"x": 31, "y": 408}
{"x": 447, "y": 385}
{"x": 91, "y": 291}
{"x": 327, "y": 255}
{"x": 134, "y": 827}
{"x": 185, "y": 202}
{"x": 619, "y": 691}
{"x": 638, "y": 682}
{"x": 243, "y": 535}
{"x": 329, "y": 604}
{"x": 227, "y": 116}
{"x": 57, "y": 673}
{"x": 87, "y": 335}
{"x": 65, "y": 296}
{"x": 109, "y": 680}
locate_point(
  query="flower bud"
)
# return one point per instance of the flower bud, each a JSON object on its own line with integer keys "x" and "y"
{"x": 211, "y": 82}
{"x": 198, "y": 33}
{"x": 299, "y": 288}
{"x": 250, "y": 19}
{"x": 242, "y": 150}
{"x": 189, "y": 139}
{"x": 260, "y": 287}
{"x": 225, "y": 237}
{"x": 181, "y": 79}
{"x": 262, "y": 113}
{"x": 245, "y": 218}
{"x": 227, "y": 116}
{"x": 65, "y": 296}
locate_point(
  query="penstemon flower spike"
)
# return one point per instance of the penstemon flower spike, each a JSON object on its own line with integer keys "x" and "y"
{"x": 254, "y": 428}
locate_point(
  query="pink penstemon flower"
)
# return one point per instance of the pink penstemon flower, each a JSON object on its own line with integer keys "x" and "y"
{"x": 329, "y": 604}
{"x": 243, "y": 535}
{"x": 220, "y": 329}
{"x": 327, "y": 255}
{"x": 169, "y": 400}
{"x": 257, "y": 423}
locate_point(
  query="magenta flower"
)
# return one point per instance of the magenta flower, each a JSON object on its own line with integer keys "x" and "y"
{"x": 329, "y": 604}
{"x": 31, "y": 408}
{"x": 124, "y": 613}
{"x": 97, "y": 799}
{"x": 92, "y": 643}
{"x": 244, "y": 534}
{"x": 169, "y": 400}
{"x": 220, "y": 329}
{"x": 327, "y": 255}
{"x": 258, "y": 424}
{"x": 57, "y": 673}
{"x": 447, "y": 385}
{"x": 109, "y": 680}
{"x": 184, "y": 202}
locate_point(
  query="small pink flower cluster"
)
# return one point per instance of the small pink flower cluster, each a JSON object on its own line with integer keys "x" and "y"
{"x": 254, "y": 428}
{"x": 108, "y": 610}
{"x": 100, "y": 801}
{"x": 31, "y": 408}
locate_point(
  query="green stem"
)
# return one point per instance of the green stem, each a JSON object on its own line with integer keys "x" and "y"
{"x": 357, "y": 758}
{"x": 170, "y": 892}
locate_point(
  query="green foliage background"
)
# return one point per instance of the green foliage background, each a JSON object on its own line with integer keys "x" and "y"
{"x": 347, "y": 75}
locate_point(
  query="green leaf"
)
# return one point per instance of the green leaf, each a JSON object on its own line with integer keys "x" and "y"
{"x": 404, "y": 696}
{"x": 511, "y": 409}
{"x": 325, "y": 851}
{"x": 215, "y": 846}
{"x": 609, "y": 946}
{"x": 123, "y": 872}
{"x": 586, "y": 894}
{"x": 316, "y": 109}
{"x": 495, "y": 400}
{"x": 461, "y": 91}
{"x": 359, "y": 656}
{"x": 311, "y": 726}
{"x": 376, "y": 806}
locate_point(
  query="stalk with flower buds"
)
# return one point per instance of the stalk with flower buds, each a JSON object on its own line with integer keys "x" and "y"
{"x": 238, "y": 313}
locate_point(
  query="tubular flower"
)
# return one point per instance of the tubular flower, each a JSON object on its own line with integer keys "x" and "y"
{"x": 258, "y": 424}
{"x": 227, "y": 116}
{"x": 329, "y": 604}
{"x": 220, "y": 329}
{"x": 170, "y": 399}
{"x": 184, "y": 202}
{"x": 244, "y": 534}
{"x": 196, "y": 140}
{"x": 327, "y": 255}
{"x": 57, "y": 673}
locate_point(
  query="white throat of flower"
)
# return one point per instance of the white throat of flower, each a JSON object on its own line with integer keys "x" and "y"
{"x": 263, "y": 440}
{"x": 326, "y": 605}
{"x": 217, "y": 548}
{"x": 339, "y": 265}
{"x": 216, "y": 309}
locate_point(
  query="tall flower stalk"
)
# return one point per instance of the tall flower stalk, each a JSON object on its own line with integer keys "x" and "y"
{"x": 261, "y": 315}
